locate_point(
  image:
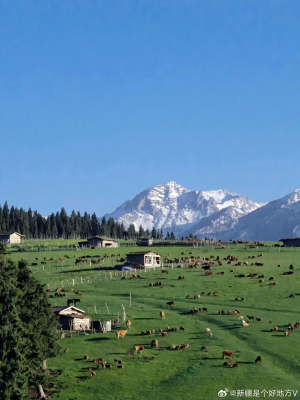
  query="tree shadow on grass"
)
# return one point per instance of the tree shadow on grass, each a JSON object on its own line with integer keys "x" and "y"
{"x": 82, "y": 378}
{"x": 98, "y": 339}
{"x": 231, "y": 327}
{"x": 212, "y": 358}
{"x": 140, "y": 319}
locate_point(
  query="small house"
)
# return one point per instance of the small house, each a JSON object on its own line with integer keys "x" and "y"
{"x": 11, "y": 238}
{"x": 72, "y": 318}
{"x": 98, "y": 242}
{"x": 291, "y": 242}
{"x": 145, "y": 242}
{"x": 146, "y": 259}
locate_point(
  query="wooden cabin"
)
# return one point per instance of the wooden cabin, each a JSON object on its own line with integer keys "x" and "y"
{"x": 72, "y": 318}
{"x": 291, "y": 242}
{"x": 145, "y": 242}
{"x": 146, "y": 259}
{"x": 11, "y": 238}
{"x": 98, "y": 242}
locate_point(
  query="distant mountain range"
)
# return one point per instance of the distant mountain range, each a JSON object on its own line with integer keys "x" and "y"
{"x": 217, "y": 214}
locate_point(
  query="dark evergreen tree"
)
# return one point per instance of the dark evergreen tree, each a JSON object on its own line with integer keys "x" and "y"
{"x": 154, "y": 233}
{"x": 27, "y": 331}
{"x": 172, "y": 237}
{"x": 141, "y": 232}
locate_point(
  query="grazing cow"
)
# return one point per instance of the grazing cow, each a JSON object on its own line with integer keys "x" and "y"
{"x": 227, "y": 364}
{"x": 241, "y": 318}
{"x": 287, "y": 333}
{"x": 162, "y": 315}
{"x": 173, "y": 347}
{"x": 220, "y": 273}
{"x": 197, "y": 296}
{"x": 243, "y": 299}
{"x": 291, "y": 266}
{"x": 204, "y": 309}
{"x": 138, "y": 348}
{"x": 207, "y": 330}
{"x": 164, "y": 271}
{"x": 121, "y": 334}
{"x": 258, "y": 319}
{"x": 182, "y": 328}
{"x": 210, "y": 335}
{"x": 183, "y": 346}
{"x": 261, "y": 281}
{"x": 154, "y": 343}
{"x": 288, "y": 273}
{"x": 273, "y": 283}
{"x": 165, "y": 334}
{"x": 209, "y": 273}
{"x": 271, "y": 279}
{"x": 120, "y": 366}
{"x": 245, "y": 324}
{"x": 240, "y": 276}
{"x": 171, "y": 303}
{"x": 128, "y": 323}
{"x": 204, "y": 348}
{"x": 106, "y": 366}
{"x": 180, "y": 278}
{"x": 93, "y": 374}
{"x": 291, "y": 295}
{"x": 123, "y": 278}
{"x": 98, "y": 360}
{"x": 227, "y": 353}
{"x": 118, "y": 361}
{"x": 237, "y": 299}
{"x": 258, "y": 359}
{"x": 66, "y": 351}
{"x": 235, "y": 365}
{"x": 85, "y": 357}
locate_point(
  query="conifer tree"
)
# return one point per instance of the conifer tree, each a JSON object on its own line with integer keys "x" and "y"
{"x": 27, "y": 331}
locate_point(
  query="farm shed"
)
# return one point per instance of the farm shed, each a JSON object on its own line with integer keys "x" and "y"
{"x": 144, "y": 258}
{"x": 291, "y": 242}
{"x": 98, "y": 242}
{"x": 72, "y": 318}
{"x": 145, "y": 242}
{"x": 11, "y": 238}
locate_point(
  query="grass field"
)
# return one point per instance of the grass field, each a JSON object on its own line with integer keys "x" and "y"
{"x": 162, "y": 374}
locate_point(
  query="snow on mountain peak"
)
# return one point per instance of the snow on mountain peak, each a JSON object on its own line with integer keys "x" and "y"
{"x": 171, "y": 206}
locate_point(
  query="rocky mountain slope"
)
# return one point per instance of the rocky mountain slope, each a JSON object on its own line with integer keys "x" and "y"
{"x": 174, "y": 208}
{"x": 276, "y": 220}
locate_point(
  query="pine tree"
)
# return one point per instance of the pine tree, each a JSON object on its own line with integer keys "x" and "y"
{"x": 27, "y": 331}
{"x": 5, "y": 218}
{"x": 168, "y": 236}
{"x": 172, "y": 237}
{"x": 141, "y": 232}
{"x": 154, "y": 233}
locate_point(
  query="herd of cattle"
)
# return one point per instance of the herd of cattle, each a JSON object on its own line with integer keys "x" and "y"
{"x": 207, "y": 265}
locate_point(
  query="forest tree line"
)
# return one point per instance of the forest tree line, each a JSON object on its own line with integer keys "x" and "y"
{"x": 74, "y": 226}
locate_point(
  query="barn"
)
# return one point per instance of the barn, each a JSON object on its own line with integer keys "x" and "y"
{"x": 11, "y": 238}
{"x": 145, "y": 242}
{"x": 98, "y": 242}
{"x": 291, "y": 242}
{"x": 72, "y": 318}
{"x": 146, "y": 259}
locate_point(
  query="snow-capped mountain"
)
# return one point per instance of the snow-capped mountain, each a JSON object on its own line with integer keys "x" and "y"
{"x": 173, "y": 207}
{"x": 277, "y": 219}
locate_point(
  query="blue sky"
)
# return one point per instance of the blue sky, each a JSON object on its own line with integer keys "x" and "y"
{"x": 102, "y": 99}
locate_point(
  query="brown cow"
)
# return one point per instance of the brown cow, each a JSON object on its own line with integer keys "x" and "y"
{"x": 138, "y": 348}
{"x": 98, "y": 360}
{"x": 171, "y": 303}
{"x": 288, "y": 273}
{"x": 121, "y": 334}
{"x": 235, "y": 365}
{"x": 128, "y": 323}
{"x": 258, "y": 359}
{"x": 162, "y": 315}
{"x": 154, "y": 343}
{"x": 165, "y": 334}
{"x": 227, "y": 364}
{"x": 227, "y": 353}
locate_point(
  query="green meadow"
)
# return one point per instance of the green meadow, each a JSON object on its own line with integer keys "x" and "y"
{"x": 162, "y": 374}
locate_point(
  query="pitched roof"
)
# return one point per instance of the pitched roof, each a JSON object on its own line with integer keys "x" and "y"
{"x": 63, "y": 308}
{"x": 142, "y": 252}
{"x": 8, "y": 234}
